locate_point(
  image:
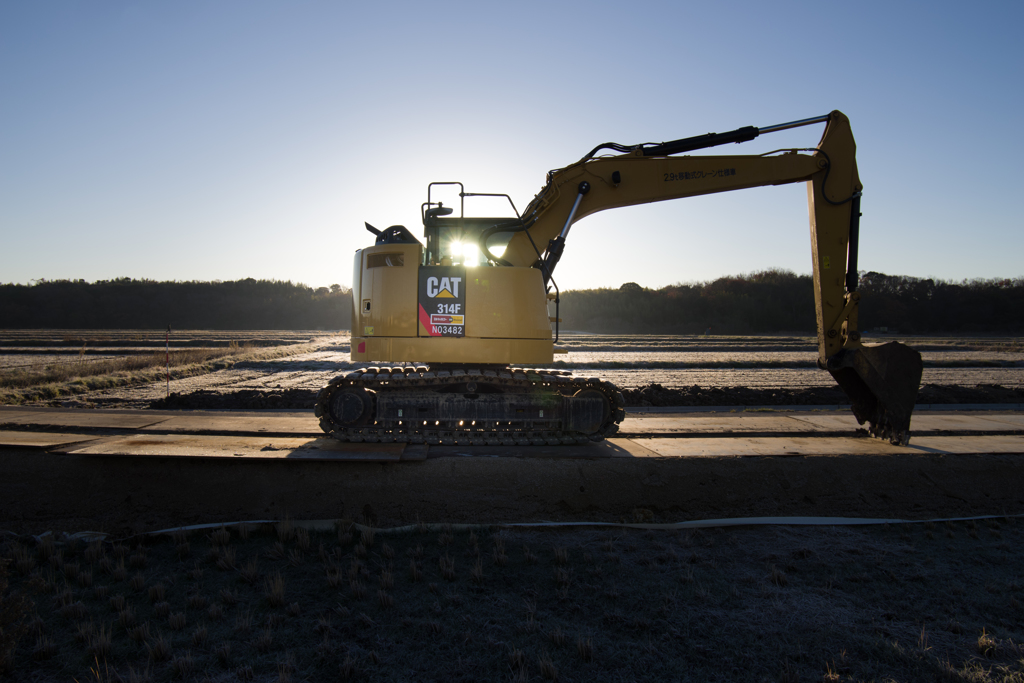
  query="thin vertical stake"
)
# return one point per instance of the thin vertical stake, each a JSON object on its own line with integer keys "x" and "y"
{"x": 167, "y": 358}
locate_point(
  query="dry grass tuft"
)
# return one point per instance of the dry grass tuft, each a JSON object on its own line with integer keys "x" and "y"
{"x": 243, "y": 622}
{"x": 335, "y": 577}
{"x": 94, "y": 551}
{"x": 176, "y": 621}
{"x": 226, "y": 560}
{"x": 64, "y": 597}
{"x": 477, "y": 572}
{"x": 557, "y": 636}
{"x": 347, "y": 670}
{"x": 23, "y": 561}
{"x": 139, "y": 634}
{"x": 216, "y": 612}
{"x": 563, "y": 577}
{"x": 126, "y": 617}
{"x": 84, "y": 631}
{"x": 302, "y": 539}
{"x": 223, "y": 654}
{"x": 284, "y": 530}
{"x": 220, "y": 537}
{"x": 158, "y": 650}
{"x": 986, "y": 644}
{"x": 183, "y": 665}
{"x": 73, "y": 611}
{"x": 778, "y": 577}
{"x": 99, "y": 644}
{"x": 44, "y": 649}
{"x": 138, "y": 582}
{"x": 157, "y": 593}
{"x": 516, "y": 659}
{"x": 250, "y": 572}
{"x": 447, "y": 565}
{"x": 264, "y": 640}
{"x": 585, "y": 649}
{"x": 46, "y": 548}
{"x": 162, "y": 609}
{"x": 386, "y": 579}
{"x": 275, "y": 590}
{"x": 547, "y": 668}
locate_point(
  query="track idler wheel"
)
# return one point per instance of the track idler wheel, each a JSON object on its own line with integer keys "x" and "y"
{"x": 350, "y": 407}
{"x": 587, "y": 411}
{"x": 882, "y": 383}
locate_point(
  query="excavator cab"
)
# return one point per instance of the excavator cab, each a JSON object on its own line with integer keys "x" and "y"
{"x": 463, "y": 240}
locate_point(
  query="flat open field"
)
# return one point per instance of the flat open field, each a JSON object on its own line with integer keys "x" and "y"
{"x": 674, "y": 362}
{"x": 931, "y": 601}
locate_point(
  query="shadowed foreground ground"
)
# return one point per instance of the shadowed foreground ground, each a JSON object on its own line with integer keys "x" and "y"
{"x": 921, "y": 602}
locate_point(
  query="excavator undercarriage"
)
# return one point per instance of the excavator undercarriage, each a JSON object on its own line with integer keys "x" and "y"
{"x": 471, "y": 406}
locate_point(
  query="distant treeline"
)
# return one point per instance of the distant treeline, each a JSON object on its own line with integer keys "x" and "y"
{"x": 759, "y": 303}
{"x": 781, "y": 301}
{"x": 125, "y": 303}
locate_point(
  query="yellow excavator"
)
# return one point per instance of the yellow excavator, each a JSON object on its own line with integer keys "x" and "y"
{"x": 459, "y": 324}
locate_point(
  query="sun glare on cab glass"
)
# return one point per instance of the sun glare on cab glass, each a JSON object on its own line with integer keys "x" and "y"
{"x": 469, "y": 253}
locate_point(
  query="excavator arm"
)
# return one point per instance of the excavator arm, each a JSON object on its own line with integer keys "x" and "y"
{"x": 881, "y": 381}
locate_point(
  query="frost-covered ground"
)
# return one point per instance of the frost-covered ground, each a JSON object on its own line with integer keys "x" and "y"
{"x": 627, "y": 361}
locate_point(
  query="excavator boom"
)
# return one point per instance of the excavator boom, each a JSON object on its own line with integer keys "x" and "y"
{"x": 881, "y": 381}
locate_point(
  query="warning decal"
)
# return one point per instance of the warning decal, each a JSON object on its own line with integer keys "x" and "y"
{"x": 442, "y": 301}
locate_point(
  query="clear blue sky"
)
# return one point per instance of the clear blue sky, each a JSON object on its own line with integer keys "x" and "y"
{"x": 221, "y": 140}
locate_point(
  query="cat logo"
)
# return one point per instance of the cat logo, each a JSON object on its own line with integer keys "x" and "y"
{"x": 443, "y": 288}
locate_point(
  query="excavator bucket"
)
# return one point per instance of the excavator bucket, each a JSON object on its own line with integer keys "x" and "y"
{"x": 882, "y": 382}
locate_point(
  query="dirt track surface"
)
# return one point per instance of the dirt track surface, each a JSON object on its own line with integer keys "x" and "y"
{"x": 122, "y": 496}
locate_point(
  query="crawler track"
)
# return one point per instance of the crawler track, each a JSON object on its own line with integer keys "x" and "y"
{"x": 495, "y": 407}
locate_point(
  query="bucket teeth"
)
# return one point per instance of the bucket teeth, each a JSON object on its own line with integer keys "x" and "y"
{"x": 882, "y": 382}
